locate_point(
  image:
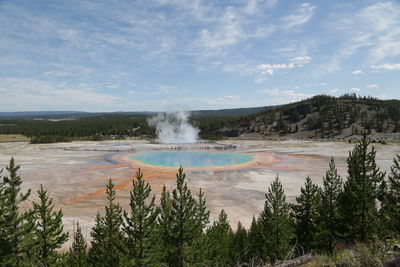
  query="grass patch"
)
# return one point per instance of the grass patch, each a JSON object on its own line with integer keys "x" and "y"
{"x": 13, "y": 138}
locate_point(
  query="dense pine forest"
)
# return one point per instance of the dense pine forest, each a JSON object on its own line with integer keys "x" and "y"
{"x": 317, "y": 117}
{"x": 345, "y": 222}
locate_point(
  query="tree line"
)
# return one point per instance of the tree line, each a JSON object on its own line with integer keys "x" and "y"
{"x": 177, "y": 232}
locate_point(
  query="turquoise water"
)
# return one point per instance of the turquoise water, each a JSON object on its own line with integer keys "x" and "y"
{"x": 191, "y": 159}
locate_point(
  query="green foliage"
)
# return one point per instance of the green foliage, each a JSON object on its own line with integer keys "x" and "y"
{"x": 390, "y": 211}
{"x": 181, "y": 225}
{"x": 48, "y": 235}
{"x": 202, "y": 218}
{"x": 77, "y": 256}
{"x": 15, "y": 227}
{"x": 358, "y": 201}
{"x": 140, "y": 224}
{"x": 219, "y": 240}
{"x": 107, "y": 238}
{"x": 256, "y": 242}
{"x": 277, "y": 225}
{"x": 45, "y": 139}
{"x": 328, "y": 232}
{"x": 305, "y": 212}
{"x": 240, "y": 246}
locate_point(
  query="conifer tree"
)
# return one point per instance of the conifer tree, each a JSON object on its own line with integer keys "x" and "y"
{"x": 96, "y": 252}
{"x": 48, "y": 233}
{"x": 277, "y": 225}
{"x": 360, "y": 193}
{"x": 219, "y": 240}
{"x": 202, "y": 218}
{"x": 305, "y": 212}
{"x": 77, "y": 256}
{"x": 240, "y": 246}
{"x": 165, "y": 222}
{"x": 140, "y": 224}
{"x": 257, "y": 250}
{"x": 182, "y": 226}
{"x": 107, "y": 237}
{"x": 390, "y": 209}
{"x": 329, "y": 209}
{"x": 14, "y": 225}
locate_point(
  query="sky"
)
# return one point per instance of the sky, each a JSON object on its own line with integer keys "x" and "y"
{"x": 157, "y": 55}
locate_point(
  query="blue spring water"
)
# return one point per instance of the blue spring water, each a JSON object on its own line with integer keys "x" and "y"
{"x": 191, "y": 159}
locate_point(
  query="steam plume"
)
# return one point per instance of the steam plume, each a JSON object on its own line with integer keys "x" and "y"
{"x": 174, "y": 128}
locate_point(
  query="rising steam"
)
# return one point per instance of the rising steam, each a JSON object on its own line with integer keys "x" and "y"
{"x": 174, "y": 128}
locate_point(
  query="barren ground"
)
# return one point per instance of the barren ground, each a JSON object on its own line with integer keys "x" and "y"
{"x": 75, "y": 174}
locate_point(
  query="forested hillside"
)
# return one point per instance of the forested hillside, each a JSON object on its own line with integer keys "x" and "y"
{"x": 318, "y": 117}
{"x": 347, "y": 222}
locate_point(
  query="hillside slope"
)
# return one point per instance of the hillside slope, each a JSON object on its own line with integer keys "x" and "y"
{"x": 319, "y": 117}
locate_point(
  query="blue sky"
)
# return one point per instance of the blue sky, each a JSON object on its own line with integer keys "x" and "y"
{"x": 117, "y": 55}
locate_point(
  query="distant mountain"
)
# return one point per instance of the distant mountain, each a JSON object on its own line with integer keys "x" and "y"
{"x": 80, "y": 114}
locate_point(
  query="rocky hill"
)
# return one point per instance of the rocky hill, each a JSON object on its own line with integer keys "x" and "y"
{"x": 319, "y": 117}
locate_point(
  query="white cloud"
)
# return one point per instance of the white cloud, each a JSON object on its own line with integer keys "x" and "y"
{"x": 372, "y": 86}
{"x": 269, "y": 69}
{"x": 302, "y": 16}
{"x": 230, "y": 30}
{"x": 355, "y": 89}
{"x": 300, "y": 61}
{"x": 375, "y": 27}
{"x": 285, "y": 96}
{"x": 386, "y": 66}
{"x": 357, "y": 72}
{"x": 334, "y": 90}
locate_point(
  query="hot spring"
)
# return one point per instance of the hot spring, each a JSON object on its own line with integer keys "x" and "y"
{"x": 191, "y": 159}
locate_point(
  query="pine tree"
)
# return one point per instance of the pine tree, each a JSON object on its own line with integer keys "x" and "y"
{"x": 14, "y": 225}
{"x": 77, "y": 256}
{"x": 305, "y": 212}
{"x": 240, "y": 246}
{"x": 183, "y": 219}
{"x": 140, "y": 224}
{"x": 48, "y": 232}
{"x": 202, "y": 218}
{"x": 277, "y": 225}
{"x": 165, "y": 221}
{"x": 257, "y": 253}
{"x": 390, "y": 209}
{"x": 219, "y": 240}
{"x": 107, "y": 238}
{"x": 360, "y": 193}
{"x": 329, "y": 208}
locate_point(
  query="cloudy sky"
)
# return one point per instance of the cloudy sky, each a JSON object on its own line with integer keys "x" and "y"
{"x": 131, "y": 55}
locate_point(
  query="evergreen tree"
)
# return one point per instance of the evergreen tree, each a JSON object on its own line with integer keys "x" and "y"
{"x": 329, "y": 208}
{"x": 390, "y": 210}
{"x": 77, "y": 256}
{"x": 360, "y": 193}
{"x": 219, "y": 240}
{"x": 140, "y": 224}
{"x": 305, "y": 212}
{"x": 179, "y": 232}
{"x": 165, "y": 221}
{"x": 96, "y": 252}
{"x": 257, "y": 253}
{"x": 240, "y": 246}
{"x": 48, "y": 232}
{"x": 107, "y": 238}
{"x": 277, "y": 225}
{"x": 202, "y": 218}
{"x": 15, "y": 226}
